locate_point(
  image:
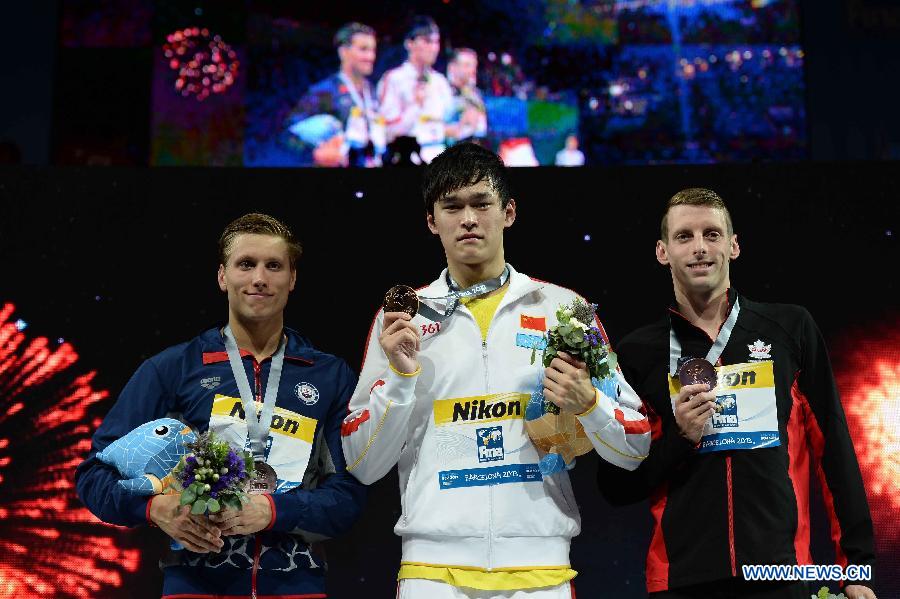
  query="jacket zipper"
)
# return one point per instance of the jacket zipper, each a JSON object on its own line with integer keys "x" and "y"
{"x": 730, "y": 516}
{"x": 257, "y": 375}
{"x": 484, "y": 358}
{"x": 255, "y": 570}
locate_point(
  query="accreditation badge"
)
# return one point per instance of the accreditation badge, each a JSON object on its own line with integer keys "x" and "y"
{"x": 355, "y": 133}
{"x": 378, "y": 134}
{"x": 746, "y": 413}
{"x": 287, "y": 449}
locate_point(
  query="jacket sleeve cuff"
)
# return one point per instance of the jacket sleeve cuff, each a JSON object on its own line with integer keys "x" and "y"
{"x": 405, "y": 374}
{"x": 139, "y": 510}
{"x": 599, "y": 415}
{"x": 677, "y": 446}
{"x": 400, "y": 387}
{"x": 274, "y": 512}
{"x": 147, "y": 512}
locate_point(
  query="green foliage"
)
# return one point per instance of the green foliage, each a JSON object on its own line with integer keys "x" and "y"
{"x": 188, "y": 495}
{"x": 825, "y": 593}
{"x": 232, "y": 502}
{"x": 199, "y": 507}
{"x": 213, "y": 475}
{"x": 577, "y": 335}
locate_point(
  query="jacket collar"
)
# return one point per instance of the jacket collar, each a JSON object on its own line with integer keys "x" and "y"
{"x": 520, "y": 285}
{"x": 413, "y": 71}
{"x": 680, "y": 322}
{"x": 212, "y": 347}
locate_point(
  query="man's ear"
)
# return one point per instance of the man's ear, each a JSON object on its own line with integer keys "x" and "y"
{"x": 429, "y": 220}
{"x": 510, "y": 213}
{"x": 221, "y": 278}
{"x": 293, "y": 279}
{"x": 735, "y": 247}
{"x": 662, "y": 255}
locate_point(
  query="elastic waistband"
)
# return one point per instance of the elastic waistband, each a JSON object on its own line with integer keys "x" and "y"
{"x": 499, "y": 553}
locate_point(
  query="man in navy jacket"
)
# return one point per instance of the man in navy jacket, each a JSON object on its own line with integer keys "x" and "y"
{"x": 268, "y": 548}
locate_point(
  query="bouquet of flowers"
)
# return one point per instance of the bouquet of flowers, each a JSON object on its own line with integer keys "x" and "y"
{"x": 824, "y": 593}
{"x": 574, "y": 335}
{"x": 558, "y": 434}
{"x": 213, "y": 475}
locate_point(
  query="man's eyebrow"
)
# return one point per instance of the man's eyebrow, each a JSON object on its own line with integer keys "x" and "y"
{"x": 252, "y": 258}
{"x": 475, "y": 197}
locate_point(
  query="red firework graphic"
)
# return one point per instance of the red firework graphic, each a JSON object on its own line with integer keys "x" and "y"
{"x": 868, "y": 376}
{"x": 50, "y": 545}
{"x": 205, "y": 64}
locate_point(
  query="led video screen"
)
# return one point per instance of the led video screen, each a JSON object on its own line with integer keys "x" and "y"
{"x": 542, "y": 83}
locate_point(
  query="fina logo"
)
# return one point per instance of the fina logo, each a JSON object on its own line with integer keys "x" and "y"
{"x": 490, "y": 444}
{"x": 725, "y": 414}
{"x": 307, "y": 393}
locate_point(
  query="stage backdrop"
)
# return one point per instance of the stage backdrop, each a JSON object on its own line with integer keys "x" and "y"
{"x": 106, "y": 267}
{"x": 635, "y": 81}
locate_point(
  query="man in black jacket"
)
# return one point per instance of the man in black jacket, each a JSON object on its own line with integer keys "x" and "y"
{"x": 727, "y": 476}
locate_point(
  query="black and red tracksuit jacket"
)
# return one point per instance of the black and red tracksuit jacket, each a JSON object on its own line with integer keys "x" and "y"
{"x": 715, "y": 512}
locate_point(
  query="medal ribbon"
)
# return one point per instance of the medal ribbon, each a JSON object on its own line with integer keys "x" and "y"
{"x": 456, "y": 294}
{"x": 717, "y": 347}
{"x": 363, "y": 101}
{"x": 258, "y": 426}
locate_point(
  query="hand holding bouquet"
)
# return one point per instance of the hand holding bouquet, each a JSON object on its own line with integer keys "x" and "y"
{"x": 213, "y": 475}
{"x": 557, "y": 433}
{"x": 576, "y": 334}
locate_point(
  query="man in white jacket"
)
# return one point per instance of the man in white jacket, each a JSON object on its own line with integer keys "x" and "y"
{"x": 445, "y": 399}
{"x": 415, "y": 99}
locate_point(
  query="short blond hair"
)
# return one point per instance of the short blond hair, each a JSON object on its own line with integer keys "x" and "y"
{"x": 695, "y": 196}
{"x": 259, "y": 224}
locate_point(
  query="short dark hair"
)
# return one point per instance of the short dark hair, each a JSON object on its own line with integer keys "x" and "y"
{"x": 419, "y": 26}
{"x": 258, "y": 224}
{"x": 344, "y": 35}
{"x": 457, "y": 52}
{"x": 695, "y": 196}
{"x": 462, "y": 165}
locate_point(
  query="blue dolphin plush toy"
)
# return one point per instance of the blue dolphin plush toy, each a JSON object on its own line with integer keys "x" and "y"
{"x": 146, "y": 456}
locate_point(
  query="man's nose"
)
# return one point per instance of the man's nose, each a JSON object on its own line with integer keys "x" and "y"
{"x": 700, "y": 245}
{"x": 260, "y": 276}
{"x": 470, "y": 217}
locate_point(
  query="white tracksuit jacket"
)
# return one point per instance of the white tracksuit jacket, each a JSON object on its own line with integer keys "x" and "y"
{"x": 471, "y": 492}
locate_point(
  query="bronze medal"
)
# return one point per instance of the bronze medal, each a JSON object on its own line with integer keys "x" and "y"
{"x": 401, "y": 298}
{"x": 263, "y": 480}
{"x": 696, "y": 371}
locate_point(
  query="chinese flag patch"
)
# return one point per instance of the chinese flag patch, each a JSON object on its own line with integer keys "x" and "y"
{"x": 534, "y": 323}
